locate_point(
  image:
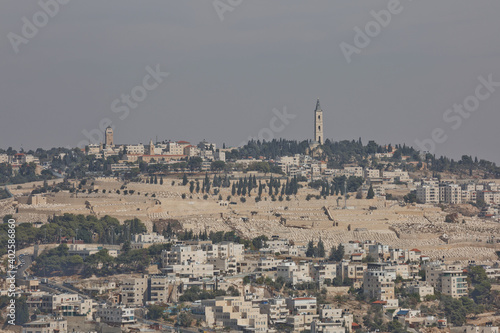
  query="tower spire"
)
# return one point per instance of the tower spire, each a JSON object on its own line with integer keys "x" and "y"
{"x": 318, "y": 107}
{"x": 318, "y": 124}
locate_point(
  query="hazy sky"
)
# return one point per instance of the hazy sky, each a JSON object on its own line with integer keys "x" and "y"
{"x": 226, "y": 76}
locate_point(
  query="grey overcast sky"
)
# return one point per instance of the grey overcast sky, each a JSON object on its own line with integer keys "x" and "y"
{"x": 226, "y": 76}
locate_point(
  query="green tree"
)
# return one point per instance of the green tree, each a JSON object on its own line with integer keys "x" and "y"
{"x": 194, "y": 163}
{"x": 321, "y": 248}
{"x": 22, "y": 311}
{"x": 371, "y": 193}
{"x": 7, "y": 217}
{"x": 310, "y": 252}
{"x": 185, "y": 319}
{"x": 184, "y": 180}
{"x": 155, "y": 311}
{"x": 218, "y": 165}
{"x": 336, "y": 253}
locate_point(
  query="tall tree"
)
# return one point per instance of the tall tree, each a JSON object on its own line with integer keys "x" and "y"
{"x": 321, "y": 248}
{"x": 310, "y": 249}
{"x": 371, "y": 193}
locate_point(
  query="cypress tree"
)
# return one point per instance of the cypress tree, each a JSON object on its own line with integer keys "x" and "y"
{"x": 371, "y": 193}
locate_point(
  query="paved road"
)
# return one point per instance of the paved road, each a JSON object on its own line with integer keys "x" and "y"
{"x": 60, "y": 288}
{"x": 27, "y": 263}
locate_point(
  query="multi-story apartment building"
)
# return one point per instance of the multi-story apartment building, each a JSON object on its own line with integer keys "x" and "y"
{"x": 220, "y": 156}
{"x": 286, "y": 162}
{"x": 355, "y": 171}
{"x": 428, "y": 194}
{"x": 353, "y": 271}
{"x": 180, "y": 254}
{"x": 396, "y": 175}
{"x": 293, "y": 273}
{"x": 490, "y": 197}
{"x": 332, "y": 320}
{"x": 450, "y": 193}
{"x": 120, "y": 167}
{"x": 379, "y": 285}
{"x": 421, "y": 288}
{"x": 118, "y": 314}
{"x": 4, "y": 158}
{"x": 323, "y": 271}
{"x": 135, "y": 149}
{"x": 191, "y": 151}
{"x": 378, "y": 251}
{"x": 20, "y": 158}
{"x": 302, "y": 305}
{"x": 85, "y": 250}
{"x": 353, "y": 247}
{"x": 446, "y": 192}
{"x": 372, "y": 173}
{"x": 474, "y": 329}
{"x": 275, "y": 309}
{"x": 134, "y": 291}
{"x": 404, "y": 255}
{"x": 454, "y": 283}
{"x": 189, "y": 269}
{"x": 62, "y": 304}
{"x": 149, "y": 238}
{"x": 46, "y": 325}
{"x": 228, "y": 266}
{"x": 445, "y": 279}
{"x": 276, "y": 244}
{"x": 328, "y": 326}
{"x": 223, "y": 250}
{"x": 204, "y": 145}
{"x": 265, "y": 264}
{"x": 174, "y": 148}
{"x": 469, "y": 192}
{"x": 234, "y": 313}
{"x": 159, "y": 289}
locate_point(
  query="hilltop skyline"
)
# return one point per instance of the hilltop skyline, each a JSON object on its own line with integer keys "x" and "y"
{"x": 226, "y": 77}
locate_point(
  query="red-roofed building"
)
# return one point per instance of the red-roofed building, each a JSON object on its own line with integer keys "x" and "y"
{"x": 380, "y": 302}
{"x": 301, "y": 305}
